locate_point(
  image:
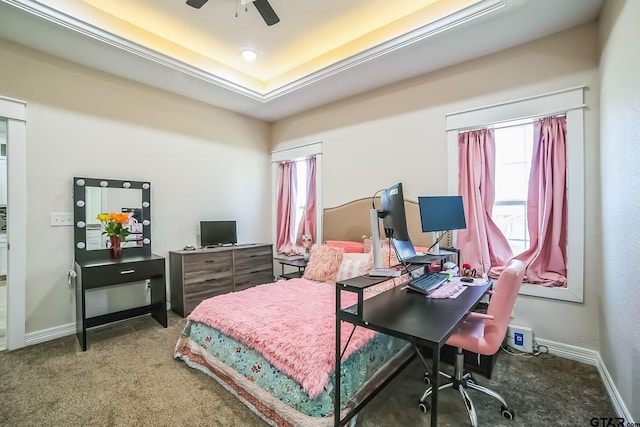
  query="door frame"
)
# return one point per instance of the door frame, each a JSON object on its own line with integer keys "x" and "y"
{"x": 14, "y": 111}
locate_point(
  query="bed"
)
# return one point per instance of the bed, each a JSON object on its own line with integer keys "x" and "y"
{"x": 278, "y": 357}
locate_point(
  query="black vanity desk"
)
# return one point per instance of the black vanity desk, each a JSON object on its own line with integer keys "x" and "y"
{"x": 102, "y": 273}
{"x": 406, "y": 315}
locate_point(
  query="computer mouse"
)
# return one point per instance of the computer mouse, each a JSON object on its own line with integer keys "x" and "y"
{"x": 466, "y": 279}
{"x": 189, "y": 248}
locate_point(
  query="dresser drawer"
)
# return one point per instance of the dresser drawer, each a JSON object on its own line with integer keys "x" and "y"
{"x": 245, "y": 281}
{"x": 253, "y": 260}
{"x": 202, "y": 262}
{"x": 97, "y": 276}
{"x": 194, "y": 293}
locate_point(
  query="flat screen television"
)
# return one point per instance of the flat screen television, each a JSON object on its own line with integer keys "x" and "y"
{"x": 217, "y": 233}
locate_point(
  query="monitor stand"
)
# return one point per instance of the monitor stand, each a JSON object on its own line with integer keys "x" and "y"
{"x": 435, "y": 249}
{"x": 378, "y": 270}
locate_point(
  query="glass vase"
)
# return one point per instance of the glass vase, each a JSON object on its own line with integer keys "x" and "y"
{"x": 116, "y": 248}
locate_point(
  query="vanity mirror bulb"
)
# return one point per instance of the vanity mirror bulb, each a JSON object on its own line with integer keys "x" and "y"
{"x": 104, "y": 184}
{"x": 80, "y": 203}
{"x": 146, "y": 222}
{"x": 81, "y": 224}
{"x": 146, "y": 241}
{"x": 126, "y": 184}
{"x": 145, "y": 186}
{"x": 80, "y": 245}
{"x": 80, "y": 182}
{"x": 145, "y": 204}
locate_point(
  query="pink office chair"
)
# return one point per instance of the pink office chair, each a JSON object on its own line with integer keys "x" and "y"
{"x": 483, "y": 334}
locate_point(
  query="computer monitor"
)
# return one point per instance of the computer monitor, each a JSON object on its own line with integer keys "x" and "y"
{"x": 441, "y": 213}
{"x": 394, "y": 219}
{"x": 216, "y": 233}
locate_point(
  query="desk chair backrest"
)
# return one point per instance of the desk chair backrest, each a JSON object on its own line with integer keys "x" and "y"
{"x": 502, "y": 302}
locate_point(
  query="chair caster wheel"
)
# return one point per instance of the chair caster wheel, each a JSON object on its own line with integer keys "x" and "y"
{"x": 507, "y": 413}
{"x": 424, "y": 407}
{"x": 427, "y": 380}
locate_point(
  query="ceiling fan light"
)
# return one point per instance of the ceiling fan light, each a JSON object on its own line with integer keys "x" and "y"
{"x": 249, "y": 55}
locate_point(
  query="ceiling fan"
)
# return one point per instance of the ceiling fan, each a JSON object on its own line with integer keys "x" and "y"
{"x": 263, "y": 6}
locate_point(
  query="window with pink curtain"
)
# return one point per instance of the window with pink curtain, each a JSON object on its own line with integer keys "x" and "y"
{"x": 483, "y": 244}
{"x": 307, "y": 224}
{"x": 546, "y": 258}
{"x": 287, "y": 186}
{"x": 296, "y": 209}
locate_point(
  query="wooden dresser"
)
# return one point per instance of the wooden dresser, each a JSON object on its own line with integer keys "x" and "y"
{"x": 204, "y": 273}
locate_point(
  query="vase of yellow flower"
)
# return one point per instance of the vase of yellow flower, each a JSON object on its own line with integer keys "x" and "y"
{"x": 114, "y": 226}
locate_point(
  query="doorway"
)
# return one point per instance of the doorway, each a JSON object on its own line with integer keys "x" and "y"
{"x": 13, "y": 308}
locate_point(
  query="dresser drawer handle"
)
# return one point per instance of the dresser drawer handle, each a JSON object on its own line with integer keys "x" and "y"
{"x": 127, "y": 271}
{"x": 209, "y": 260}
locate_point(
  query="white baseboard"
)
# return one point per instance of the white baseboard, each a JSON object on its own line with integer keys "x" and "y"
{"x": 56, "y": 332}
{"x": 590, "y": 357}
{"x": 50, "y": 334}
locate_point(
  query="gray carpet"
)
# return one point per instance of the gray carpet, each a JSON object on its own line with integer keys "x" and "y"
{"x": 128, "y": 377}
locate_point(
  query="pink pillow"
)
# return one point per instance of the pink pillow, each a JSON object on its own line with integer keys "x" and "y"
{"x": 324, "y": 263}
{"x": 349, "y": 247}
{"x": 353, "y": 265}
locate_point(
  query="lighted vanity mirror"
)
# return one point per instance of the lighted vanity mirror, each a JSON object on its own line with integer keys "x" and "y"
{"x": 93, "y": 196}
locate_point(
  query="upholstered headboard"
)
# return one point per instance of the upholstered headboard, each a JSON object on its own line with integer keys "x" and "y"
{"x": 350, "y": 221}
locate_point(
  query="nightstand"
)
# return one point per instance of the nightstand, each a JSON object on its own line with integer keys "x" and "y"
{"x": 299, "y": 263}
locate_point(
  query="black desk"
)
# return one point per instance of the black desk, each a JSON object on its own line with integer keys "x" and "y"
{"x": 103, "y": 273}
{"x": 406, "y": 315}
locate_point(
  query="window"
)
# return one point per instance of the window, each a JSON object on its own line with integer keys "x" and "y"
{"x": 514, "y": 143}
{"x": 301, "y": 196}
{"x": 298, "y": 156}
{"x": 569, "y": 102}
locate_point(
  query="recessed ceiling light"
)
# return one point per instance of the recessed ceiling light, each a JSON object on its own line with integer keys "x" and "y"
{"x": 249, "y": 55}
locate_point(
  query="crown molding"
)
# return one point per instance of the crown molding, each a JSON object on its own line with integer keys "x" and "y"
{"x": 86, "y": 29}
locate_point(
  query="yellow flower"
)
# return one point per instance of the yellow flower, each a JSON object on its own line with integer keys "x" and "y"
{"x": 112, "y": 224}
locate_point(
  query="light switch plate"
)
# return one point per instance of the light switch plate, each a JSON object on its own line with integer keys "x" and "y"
{"x": 60, "y": 219}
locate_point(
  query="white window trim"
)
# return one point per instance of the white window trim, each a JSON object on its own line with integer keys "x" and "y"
{"x": 287, "y": 155}
{"x": 567, "y": 101}
{"x": 15, "y": 112}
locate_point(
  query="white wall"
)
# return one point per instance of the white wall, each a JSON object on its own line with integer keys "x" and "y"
{"x": 620, "y": 156}
{"x": 202, "y": 162}
{"x": 398, "y": 134}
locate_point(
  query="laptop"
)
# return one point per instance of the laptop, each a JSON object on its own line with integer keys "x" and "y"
{"x": 407, "y": 253}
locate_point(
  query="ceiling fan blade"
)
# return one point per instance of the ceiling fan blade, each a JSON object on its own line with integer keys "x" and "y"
{"x": 266, "y": 11}
{"x": 196, "y": 3}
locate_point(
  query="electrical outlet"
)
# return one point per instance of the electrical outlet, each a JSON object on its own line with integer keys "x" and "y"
{"x": 520, "y": 338}
{"x": 61, "y": 219}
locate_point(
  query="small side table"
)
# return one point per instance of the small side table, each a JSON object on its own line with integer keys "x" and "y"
{"x": 300, "y": 263}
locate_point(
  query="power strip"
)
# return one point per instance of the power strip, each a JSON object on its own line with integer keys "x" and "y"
{"x": 520, "y": 338}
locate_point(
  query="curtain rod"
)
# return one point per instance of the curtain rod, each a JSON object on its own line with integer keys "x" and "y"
{"x": 294, "y": 147}
{"x": 496, "y": 125}
{"x": 513, "y": 101}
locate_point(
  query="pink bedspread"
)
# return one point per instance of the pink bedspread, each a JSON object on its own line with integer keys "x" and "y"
{"x": 292, "y": 323}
